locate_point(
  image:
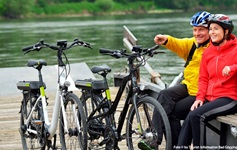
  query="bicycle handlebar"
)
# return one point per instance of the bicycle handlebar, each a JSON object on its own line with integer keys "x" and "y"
{"x": 137, "y": 49}
{"x": 29, "y": 47}
{"x": 114, "y": 53}
{"x": 61, "y": 45}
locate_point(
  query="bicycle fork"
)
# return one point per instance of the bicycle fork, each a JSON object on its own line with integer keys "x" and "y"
{"x": 134, "y": 99}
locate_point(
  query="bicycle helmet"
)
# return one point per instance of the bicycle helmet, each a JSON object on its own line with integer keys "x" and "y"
{"x": 200, "y": 19}
{"x": 222, "y": 20}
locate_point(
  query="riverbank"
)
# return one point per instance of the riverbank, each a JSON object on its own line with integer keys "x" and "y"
{"x": 44, "y": 9}
{"x": 115, "y": 13}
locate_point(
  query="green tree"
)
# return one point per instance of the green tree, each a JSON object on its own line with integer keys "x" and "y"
{"x": 105, "y": 5}
{"x": 75, "y": 1}
{"x": 15, "y": 9}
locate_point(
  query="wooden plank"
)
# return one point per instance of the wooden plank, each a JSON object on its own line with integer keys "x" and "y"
{"x": 232, "y": 117}
{"x": 229, "y": 119}
{"x": 223, "y": 119}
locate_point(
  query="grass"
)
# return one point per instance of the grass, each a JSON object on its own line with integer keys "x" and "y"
{"x": 86, "y": 8}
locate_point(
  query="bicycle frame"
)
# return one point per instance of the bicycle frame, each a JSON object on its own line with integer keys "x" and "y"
{"x": 133, "y": 92}
{"x": 58, "y": 104}
{"x": 103, "y": 129}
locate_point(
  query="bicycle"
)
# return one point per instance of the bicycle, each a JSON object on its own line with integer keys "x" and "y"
{"x": 103, "y": 131}
{"x": 36, "y": 131}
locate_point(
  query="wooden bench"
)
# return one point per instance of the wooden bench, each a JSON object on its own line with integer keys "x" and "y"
{"x": 227, "y": 122}
{"x": 229, "y": 119}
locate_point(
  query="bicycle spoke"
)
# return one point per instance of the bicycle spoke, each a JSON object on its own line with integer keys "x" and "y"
{"x": 76, "y": 137}
{"x": 149, "y": 138}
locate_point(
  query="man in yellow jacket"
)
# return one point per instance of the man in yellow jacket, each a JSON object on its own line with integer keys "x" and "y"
{"x": 178, "y": 99}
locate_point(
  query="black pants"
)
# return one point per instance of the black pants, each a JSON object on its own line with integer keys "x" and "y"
{"x": 194, "y": 124}
{"x": 176, "y": 102}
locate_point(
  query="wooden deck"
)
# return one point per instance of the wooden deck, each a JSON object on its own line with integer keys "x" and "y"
{"x": 10, "y": 120}
{"x": 10, "y": 99}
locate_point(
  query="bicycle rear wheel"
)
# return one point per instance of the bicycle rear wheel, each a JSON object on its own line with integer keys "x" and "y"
{"x": 96, "y": 127}
{"x": 76, "y": 138}
{"x": 31, "y": 140}
{"x": 145, "y": 135}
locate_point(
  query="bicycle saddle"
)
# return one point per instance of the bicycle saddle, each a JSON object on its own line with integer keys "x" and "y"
{"x": 97, "y": 69}
{"x": 40, "y": 62}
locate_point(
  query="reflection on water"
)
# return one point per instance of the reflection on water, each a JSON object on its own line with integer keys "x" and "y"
{"x": 106, "y": 32}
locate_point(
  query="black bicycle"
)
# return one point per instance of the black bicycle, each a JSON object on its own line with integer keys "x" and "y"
{"x": 36, "y": 131}
{"x": 103, "y": 130}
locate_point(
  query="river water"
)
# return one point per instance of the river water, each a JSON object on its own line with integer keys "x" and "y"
{"x": 106, "y": 32}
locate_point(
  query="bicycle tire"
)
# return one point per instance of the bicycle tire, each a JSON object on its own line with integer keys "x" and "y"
{"x": 90, "y": 102}
{"x": 149, "y": 135}
{"x": 74, "y": 139}
{"x": 29, "y": 140}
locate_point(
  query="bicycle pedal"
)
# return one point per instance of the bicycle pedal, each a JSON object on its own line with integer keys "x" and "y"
{"x": 37, "y": 122}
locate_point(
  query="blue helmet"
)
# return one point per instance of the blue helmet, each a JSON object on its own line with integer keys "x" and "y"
{"x": 200, "y": 19}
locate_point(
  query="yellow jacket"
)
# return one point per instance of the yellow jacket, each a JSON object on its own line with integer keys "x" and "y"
{"x": 182, "y": 48}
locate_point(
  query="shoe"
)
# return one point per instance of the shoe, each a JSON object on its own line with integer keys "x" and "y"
{"x": 145, "y": 146}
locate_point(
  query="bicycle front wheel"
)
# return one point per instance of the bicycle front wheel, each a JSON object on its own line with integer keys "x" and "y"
{"x": 76, "y": 138}
{"x": 146, "y": 134}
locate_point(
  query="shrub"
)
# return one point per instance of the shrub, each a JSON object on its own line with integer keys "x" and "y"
{"x": 105, "y": 5}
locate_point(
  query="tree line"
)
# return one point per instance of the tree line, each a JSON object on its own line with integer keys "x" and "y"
{"x": 29, "y": 8}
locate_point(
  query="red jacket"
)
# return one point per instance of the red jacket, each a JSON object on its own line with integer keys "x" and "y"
{"x": 212, "y": 84}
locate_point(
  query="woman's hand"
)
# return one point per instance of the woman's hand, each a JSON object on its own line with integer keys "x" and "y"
{"x": 226, "y": 71}
{"x": 196, "y": 104}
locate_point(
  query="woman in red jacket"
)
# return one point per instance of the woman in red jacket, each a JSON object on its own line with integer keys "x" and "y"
{"x": 217, "y": 84}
